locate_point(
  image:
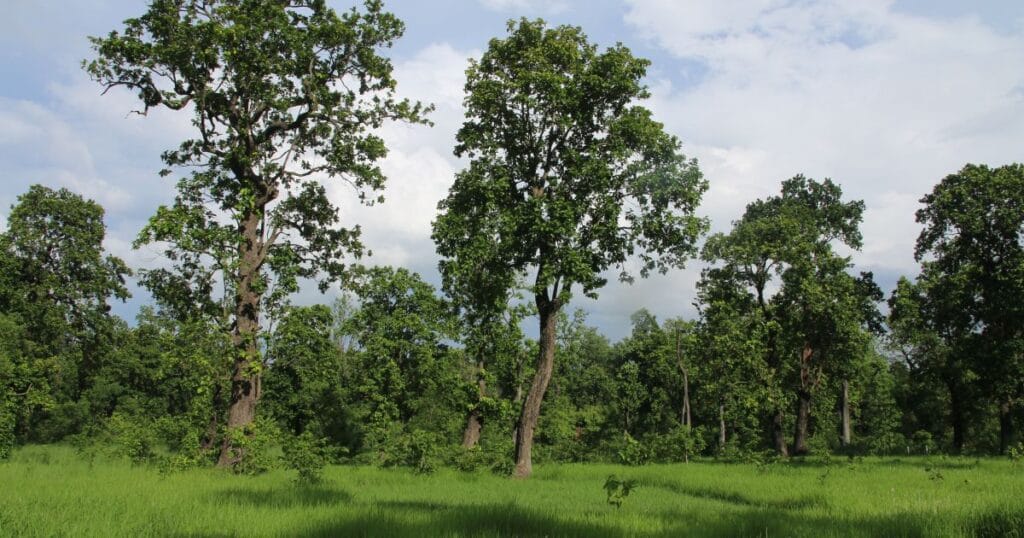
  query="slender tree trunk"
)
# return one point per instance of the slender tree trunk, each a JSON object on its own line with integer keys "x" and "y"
{"x": 684, "y": 414}
{"x": 803, "y": 415}
{"x": 548, "y": 313}
{"x": 956, "y": 415}
{"x": 845, "y": 411}
{"x": 471, "y": 436}
{"x": 1005, "y": 426}
{"x": 778, "y": 435}
{"x": 245, "y": 385}
{"x": 721, "y": 426}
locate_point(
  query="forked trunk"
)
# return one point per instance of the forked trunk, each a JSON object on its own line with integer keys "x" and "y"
{"x": 845, "y": 411}
{"x": 245, "y": 379}
{"x": 548, "y": 313}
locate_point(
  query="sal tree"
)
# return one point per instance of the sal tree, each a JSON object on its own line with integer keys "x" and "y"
{"x": 282, "y": 94}
{"x": 567, "y": 177}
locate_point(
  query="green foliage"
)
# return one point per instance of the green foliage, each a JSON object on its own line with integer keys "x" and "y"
{"x": 629, "y": 451}
{"x": 132, "y": 438}
{"x": 617, "y": 490}
{"x": 678, "y": 445}
{"x": 306, "y": 455}
{"x": 255, "y": 446}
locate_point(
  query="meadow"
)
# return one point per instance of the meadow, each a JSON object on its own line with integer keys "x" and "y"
{"x": 53, "y": 491}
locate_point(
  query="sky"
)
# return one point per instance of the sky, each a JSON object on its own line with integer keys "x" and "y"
{"x": 884, "y": 97}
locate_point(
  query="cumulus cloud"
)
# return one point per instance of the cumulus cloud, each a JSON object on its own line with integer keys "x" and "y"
{"x": 882, "y": 102}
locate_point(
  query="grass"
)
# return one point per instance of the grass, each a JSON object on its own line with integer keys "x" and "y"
{"x": 51, "y": 491}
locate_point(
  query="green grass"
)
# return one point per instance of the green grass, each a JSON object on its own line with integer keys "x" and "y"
{"x": 51, "y": 491}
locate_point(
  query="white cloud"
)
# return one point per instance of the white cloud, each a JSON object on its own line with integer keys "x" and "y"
{"x": 884, "y": 103}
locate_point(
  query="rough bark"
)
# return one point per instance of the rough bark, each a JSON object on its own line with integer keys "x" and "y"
{"x": 548, "y": 313}
{"x": 778, "y": 435}
{"x": 245, "y": 384}
{"x": 845, "y": 412}
{"x": 808, "y": 380}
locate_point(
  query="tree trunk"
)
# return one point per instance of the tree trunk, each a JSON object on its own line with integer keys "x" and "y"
{"x": 721, "y": 426}
{"x": 778, "y": 435}
{"x": 548, "y": 313}
{"x": 245, "y": 384}
{"x": 803, "y": 415}
{"x": 845, "y": 411}
{"x": 956, "y": 415}
{"x": 684, "y": 414}
{"x": 471, "y": 436}
{"x": 1005, "y": 426}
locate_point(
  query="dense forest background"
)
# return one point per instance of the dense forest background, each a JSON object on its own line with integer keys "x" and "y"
{"x": 794, "y": 350}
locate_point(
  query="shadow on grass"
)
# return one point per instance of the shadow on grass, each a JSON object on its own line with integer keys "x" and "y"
{"x": 731, "y": 497}
{"x": 510, "y": 520}
{"x": 284, "y": 497}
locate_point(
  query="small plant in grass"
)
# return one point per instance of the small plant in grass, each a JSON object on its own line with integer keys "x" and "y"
{"x": 934, "y": 474}
{"x": 252, "y": 445}
{"x": 1016, "y": 453}
{"x": 618, "y": 490}
{"x": 306, "y": 455}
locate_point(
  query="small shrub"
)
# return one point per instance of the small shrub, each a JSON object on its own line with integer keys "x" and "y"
{"x": 131, "y": 438}
{"x": 632, "y": 452}
{"x": 1016, "y": 453}
{"x": 677, "y": 445}
{"x": 306, "y": 455}
{"x": 617, "y": 490}
{"x": 253, "y": 446}
{"x": 6, "y": 432}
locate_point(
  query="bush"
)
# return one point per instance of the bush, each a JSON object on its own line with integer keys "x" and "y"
{"x": 494, "y": 456}
{"x": 7, "y": 421}
{"x": 677, "y": 445}
{"x": 632, "y": 452}
{"x": 253, "y": 446}
{"x": 307, "y": 455}
{"x": 131, "y": 438}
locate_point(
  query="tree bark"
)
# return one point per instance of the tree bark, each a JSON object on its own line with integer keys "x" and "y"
{"x": 471, "y": 436}
{"x": 548, "y": 313}
{"x": 845, "y": 411}
{"x": 245, "y": 383}
{"x": 803, "y": 415}
{"x": 778, "y": 435}
{"x": 684, "y": 414}
{"x": 721, "y": 426}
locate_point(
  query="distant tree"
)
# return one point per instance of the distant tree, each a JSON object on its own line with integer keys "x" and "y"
{"x": 973, "y": 239}
{"x": 567, "y": 177}
{"x": 816, "y": 321}
{"x": 282, "y": 95}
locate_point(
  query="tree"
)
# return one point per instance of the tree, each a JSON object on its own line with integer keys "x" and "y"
{"x": 818, "y": 314}
{"x": 567, "y": 177}
{"x": 973, "y": 238}
{"x": 282, "y": 94}
{"x": 55, "y": 281}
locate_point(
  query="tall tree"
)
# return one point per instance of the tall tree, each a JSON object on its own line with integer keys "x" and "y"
{"x": 567, "y": 177}
{"x": 282, "y": 94}
{"x": 973, "y": 237}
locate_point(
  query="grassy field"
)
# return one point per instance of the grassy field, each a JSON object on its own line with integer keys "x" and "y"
{"x": 51, "y": 491}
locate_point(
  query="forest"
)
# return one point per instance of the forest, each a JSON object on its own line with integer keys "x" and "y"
{"x": 795, "y": 353}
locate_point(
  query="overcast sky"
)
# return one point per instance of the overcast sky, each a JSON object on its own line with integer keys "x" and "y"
{"x": 883, "y": 97}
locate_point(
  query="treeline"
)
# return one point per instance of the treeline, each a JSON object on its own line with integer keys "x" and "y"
{"x": 568, "y": 178}
{"x": 789, "y": 354}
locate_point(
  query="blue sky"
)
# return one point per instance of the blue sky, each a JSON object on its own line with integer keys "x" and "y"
{"x": 883, "y": 97}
